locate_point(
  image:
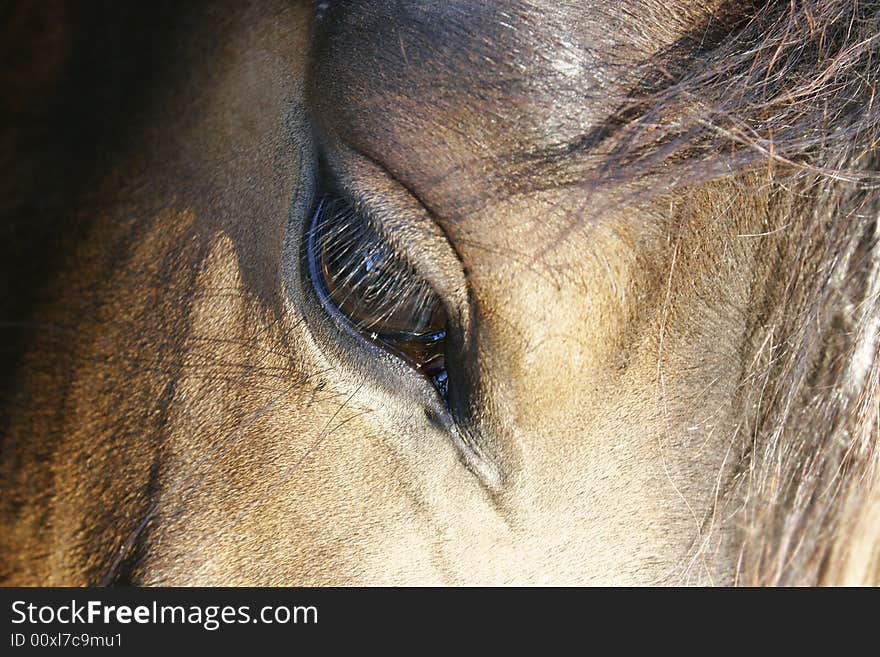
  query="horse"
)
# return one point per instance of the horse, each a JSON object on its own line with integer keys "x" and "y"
{"x": 509, "y": 292}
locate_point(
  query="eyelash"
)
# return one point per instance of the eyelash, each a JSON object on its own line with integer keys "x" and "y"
{"x": 375, "y": 289}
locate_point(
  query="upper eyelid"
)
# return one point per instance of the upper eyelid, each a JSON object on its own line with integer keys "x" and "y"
{"x": 403, "y": 316}
{"x": 413, "y": 280}
{"x": 408, "y": 223}
{"x": 395, "y": 284}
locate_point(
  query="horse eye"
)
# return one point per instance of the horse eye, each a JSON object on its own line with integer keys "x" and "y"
{"x": 365, "y": 282}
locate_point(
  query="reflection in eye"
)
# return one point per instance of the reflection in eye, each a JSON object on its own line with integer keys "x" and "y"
{"x": 376, "y": 289}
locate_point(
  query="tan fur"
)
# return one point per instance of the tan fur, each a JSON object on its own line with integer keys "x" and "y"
{"x": 175, "y": 421}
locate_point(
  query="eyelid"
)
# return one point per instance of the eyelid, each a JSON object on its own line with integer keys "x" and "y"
{"x": 406, "y": 223}
{"x": 388, "y": 303}
{"x": 375, "y": 298}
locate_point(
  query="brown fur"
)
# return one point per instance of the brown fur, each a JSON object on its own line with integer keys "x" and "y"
{"x": 660, "y": 238}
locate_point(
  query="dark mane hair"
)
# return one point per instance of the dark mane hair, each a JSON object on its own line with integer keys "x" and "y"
{"x": 788, "y": 100}
{"x": 782, "y": 97}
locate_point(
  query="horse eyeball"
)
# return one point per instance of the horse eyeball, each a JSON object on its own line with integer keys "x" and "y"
{"x": 375, "y": 289}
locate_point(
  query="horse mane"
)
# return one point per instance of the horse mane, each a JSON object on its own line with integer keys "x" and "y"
{"x": 779, "y": 98}
{"x": 786, "y": 99}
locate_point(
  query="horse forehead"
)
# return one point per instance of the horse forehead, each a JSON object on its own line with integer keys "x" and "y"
{"x": 440, "y": 93}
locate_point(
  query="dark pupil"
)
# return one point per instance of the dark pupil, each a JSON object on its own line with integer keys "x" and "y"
{"x": 376, "y": 289}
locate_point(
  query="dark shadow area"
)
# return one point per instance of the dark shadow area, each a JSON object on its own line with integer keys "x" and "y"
{"x": 75, "y": 79}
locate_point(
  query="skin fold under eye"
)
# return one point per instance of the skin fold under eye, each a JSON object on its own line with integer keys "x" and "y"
{"x": 365, "y": 282}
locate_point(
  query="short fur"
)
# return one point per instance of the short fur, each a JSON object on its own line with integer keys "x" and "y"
{"x": 660, "y": 236}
